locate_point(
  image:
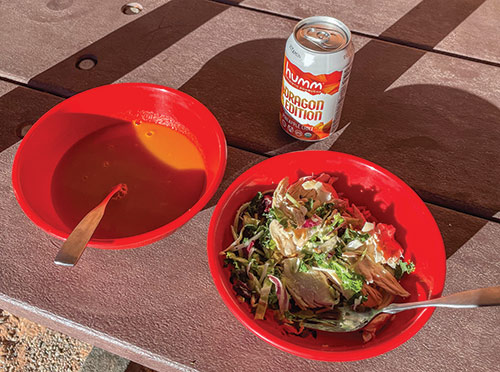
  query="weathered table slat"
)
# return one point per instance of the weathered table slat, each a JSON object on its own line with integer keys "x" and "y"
{"x": 20, "y": 107}
{"x": 157, "y": 305}
{"x": 477, "y": 36}
{"x": 435, "y": 117}
{"x": 467, "y": 28}
{"x": 456, "y": 228}
{"x": 129, "y": 47}
{"x": 431, "y": 119}
{"x": 36, "y": 36}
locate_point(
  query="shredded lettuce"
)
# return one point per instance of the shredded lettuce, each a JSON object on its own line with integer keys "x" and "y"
{"x": 309, "y": 204}
{"x": 256, "y": 205}
{"x": 351, "y": 235}
{"x": 337, "y": 220}
{"x": 325, "y": 272}
{"x": 277, "y": 214}
{"x": 351, "y": 281}
{"x": 292, "y": 199}
{"x": 403, "y": 268}
{"x": 303, "y": 268}
{"x": 324, "y": 209}
{"x": 260, "y": 312}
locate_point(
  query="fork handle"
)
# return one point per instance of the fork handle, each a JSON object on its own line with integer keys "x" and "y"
{"x": 489, "y": 296}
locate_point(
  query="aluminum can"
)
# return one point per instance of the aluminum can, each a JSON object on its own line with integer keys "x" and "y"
{"x": 316, "y": 68}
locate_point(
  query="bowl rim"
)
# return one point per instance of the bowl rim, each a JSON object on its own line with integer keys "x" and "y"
{"x": 368, "y": 351}
{"x": 135, "y": 240}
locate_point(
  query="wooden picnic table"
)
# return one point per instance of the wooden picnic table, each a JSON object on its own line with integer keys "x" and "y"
{"x": 423, "y": 102}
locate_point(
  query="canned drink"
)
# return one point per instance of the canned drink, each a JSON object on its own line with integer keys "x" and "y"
{"x": 318, "y": 60}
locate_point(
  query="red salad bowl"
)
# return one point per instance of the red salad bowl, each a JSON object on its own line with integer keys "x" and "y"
{"x": 388, "y": 198}
{"x": 114, "y": 110}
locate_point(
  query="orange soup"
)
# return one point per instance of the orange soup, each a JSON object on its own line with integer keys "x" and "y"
{"x": 162, "y": 168}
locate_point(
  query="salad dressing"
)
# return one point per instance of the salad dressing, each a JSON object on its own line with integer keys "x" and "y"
{"x": 322, "y": 261}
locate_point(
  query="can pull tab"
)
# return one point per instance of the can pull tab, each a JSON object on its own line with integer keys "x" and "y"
{"x": 317, "y": 36}
{"x": 323, "y": 38}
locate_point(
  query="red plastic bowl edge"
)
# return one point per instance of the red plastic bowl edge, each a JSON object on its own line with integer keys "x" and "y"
{"x": 331, "y": 356}
{"x": 136, "y": 240}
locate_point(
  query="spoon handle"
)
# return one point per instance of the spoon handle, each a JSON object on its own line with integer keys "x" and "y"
{"x": 73, "y": 247}
{"x": 489, "y": 296}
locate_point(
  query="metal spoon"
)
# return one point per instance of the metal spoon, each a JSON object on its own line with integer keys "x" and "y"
{"x": 350, "y": 320}
{"x": 77, "y": 241}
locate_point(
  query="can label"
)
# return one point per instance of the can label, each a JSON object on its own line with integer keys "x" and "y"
{"x": 309, "y": 102}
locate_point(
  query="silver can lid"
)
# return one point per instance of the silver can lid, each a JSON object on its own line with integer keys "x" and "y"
{"x": 322, "y": 34}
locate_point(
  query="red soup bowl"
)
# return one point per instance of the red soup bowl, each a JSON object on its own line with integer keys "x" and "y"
{"x": 163, "y": 144}
{"x": 388, "y": 198}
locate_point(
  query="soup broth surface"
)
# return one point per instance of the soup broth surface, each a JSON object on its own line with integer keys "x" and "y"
{"x": 163, "y": 170}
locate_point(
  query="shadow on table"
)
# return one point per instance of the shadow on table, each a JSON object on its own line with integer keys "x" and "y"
{"x": 241, "y": 86}
{"x": 245, "y": 98}
{"x": 117, "y": 54}
{"x": 416, "y": 131}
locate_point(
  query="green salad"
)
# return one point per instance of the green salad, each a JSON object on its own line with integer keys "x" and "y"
{"x": 301, "y": 251}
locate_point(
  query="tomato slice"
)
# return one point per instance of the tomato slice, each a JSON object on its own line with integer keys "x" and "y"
{"x": 388, "y": 244}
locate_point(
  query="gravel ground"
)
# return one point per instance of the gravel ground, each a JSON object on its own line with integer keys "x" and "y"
{"x": 28, "y": 347}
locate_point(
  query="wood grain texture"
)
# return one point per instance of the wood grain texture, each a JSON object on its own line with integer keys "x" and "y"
{"x": 370, "y": 16}
{"x": 476, "y": 36}
{"x": 20, "y": 107}
{"x": 466, "y": 28}
{"x": 157, "y": 304}
{"x": 38, "y": 35}
{"x": 431, "y": 119}
{"x": 128, "y": 47}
